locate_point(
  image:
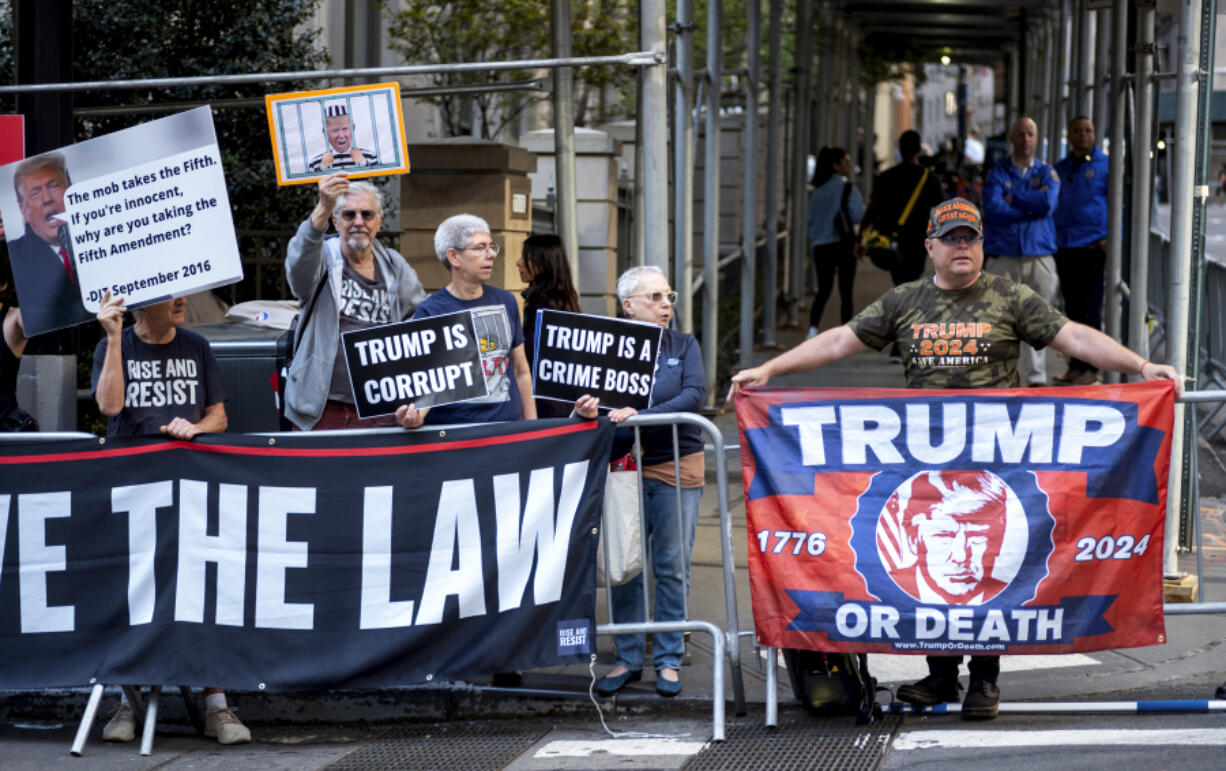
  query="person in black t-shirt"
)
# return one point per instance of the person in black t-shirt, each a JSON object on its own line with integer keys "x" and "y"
{"x": 891, "y": 192}
{"x": 155, "y": 377}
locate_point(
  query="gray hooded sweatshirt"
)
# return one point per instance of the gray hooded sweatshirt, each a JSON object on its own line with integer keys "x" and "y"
{"x": 308, "y": 259}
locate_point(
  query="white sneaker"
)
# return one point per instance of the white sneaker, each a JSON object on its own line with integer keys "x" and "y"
{"x": 122, "y": 725}
{"x": 222, "y": 724}
{"x": 812, "y": 333}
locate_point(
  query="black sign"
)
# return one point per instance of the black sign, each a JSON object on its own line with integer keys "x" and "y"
{"x": 307, "y": 562}
{"x": 612, "y": 359}
{"x": 427, "y": 362}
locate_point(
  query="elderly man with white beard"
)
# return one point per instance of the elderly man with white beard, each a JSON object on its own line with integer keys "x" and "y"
{"x": 345, "y": 282}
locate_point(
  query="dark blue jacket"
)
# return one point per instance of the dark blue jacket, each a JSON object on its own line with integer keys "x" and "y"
{"x": 680, "y": 386}
{"x": 1022, "y": 227}
{"x": 1081, "y": 214}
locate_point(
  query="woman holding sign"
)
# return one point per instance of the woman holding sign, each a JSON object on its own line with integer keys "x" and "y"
{"x": 543, "y": 265}
{"x": 679, "y": 387}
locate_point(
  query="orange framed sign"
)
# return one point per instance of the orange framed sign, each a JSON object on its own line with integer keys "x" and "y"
{"x": 356, "y": 129}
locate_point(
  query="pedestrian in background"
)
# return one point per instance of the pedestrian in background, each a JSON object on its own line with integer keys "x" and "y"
{"x": 834, "y": 207}
{"x": 544, "y": 267}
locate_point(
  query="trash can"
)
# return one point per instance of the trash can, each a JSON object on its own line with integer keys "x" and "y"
{"x": 250, "y": 357}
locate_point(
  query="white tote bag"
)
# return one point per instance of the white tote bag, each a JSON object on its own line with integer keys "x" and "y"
{"x": 622, "y": 530}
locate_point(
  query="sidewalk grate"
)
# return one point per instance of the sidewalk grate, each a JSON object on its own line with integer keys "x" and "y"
{"x": 800, "y": 741}
{"x": 461, "y": 746}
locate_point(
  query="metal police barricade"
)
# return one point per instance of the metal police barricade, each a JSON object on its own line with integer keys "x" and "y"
{"x": 1191, "y": 398}
{"x": 725, "y": 641}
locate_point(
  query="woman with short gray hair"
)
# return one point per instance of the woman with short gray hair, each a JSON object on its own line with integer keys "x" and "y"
{"x": 680, "y": 386}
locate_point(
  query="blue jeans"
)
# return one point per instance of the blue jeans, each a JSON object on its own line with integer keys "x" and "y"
{"x": 669, "y": 550}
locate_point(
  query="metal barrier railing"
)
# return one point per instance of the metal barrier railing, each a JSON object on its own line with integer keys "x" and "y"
{"x": 726, "y": 642}
{"x": 1171, "y": 609}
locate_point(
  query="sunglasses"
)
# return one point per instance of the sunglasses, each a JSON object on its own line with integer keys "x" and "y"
{"x": 659, "y": 297}
{"x": 348, "y": 215}
{"x": 960, "y": 240}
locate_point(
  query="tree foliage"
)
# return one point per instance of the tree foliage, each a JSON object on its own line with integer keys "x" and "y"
{"x": 139, "y": 39}
{"x": 480, "y": 31}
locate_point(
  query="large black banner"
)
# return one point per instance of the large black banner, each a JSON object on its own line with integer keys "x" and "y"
{"x": 300, "y": 562}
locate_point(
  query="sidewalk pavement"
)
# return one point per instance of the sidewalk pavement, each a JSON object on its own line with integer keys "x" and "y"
{"x": 315, "y": 730}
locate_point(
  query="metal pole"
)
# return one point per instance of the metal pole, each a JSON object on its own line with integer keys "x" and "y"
{"x": 1142, "y": 181}
{"x": 1059, "y": 79}
{"x": 1077, "y": 59}
{"x": 648, "y": 58}
{"x": 1015, "y": 87}
{"x": 710, "y": 204}
{"x": 1102, "y": 68}
{"x": 1085, "y": 73}
{"x": 1115, "y": 179}
{"x": 1047, "y": 67}
{"x": 1182, "y": 172}
{"x": 749, "y": 189}
{"x": 770, "y": 291}
{"x": 798, "y": 241}
{"x": 653, "y": 116}
{"x": 566, "y": 211}
{"x": 683, "y": 167}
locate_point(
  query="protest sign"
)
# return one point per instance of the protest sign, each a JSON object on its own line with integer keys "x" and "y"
{"x": 612, "y": 359}
{"x": 930, "y": 522}
{"x": 311, "y": 561}
{"x": 427, "y": 362}
{"x": 358, "y": 130}
{"x": 141, "y": 212}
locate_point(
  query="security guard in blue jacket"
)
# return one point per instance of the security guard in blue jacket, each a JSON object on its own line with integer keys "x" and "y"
{"x": 1019, "y": 196}
{"x": 1081, "y": 234}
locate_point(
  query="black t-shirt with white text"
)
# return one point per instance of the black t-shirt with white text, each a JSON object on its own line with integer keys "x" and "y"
{"x": 365, "y": 302}
{"x": 179, "y": 379}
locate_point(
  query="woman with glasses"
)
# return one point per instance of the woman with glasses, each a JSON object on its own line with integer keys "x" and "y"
{"x": 679, "y": 387}
{"x": 834, "y": 207}
{"x": 544, "y": 267}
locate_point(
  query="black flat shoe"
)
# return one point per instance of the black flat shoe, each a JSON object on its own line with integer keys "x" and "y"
{"x": 609, "y": 685}
{"x": 668, "y": 688}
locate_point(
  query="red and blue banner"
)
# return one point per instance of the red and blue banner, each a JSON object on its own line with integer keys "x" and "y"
{"x": 962, "y": 521}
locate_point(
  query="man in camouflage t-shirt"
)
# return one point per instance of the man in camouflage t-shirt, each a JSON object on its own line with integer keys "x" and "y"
{"x": 961, "y": 328}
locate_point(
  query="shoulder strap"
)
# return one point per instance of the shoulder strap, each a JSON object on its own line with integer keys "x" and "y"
{"x": 846, "y": 195}
{"x": 906, "y": 213}
{"x": 302, "y": 322}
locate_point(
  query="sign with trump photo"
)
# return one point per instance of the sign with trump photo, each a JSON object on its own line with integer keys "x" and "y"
{"x": 357, "y": 129}
{"x": 930, "y": 522}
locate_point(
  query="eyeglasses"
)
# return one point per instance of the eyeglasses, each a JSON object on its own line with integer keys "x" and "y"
{"x": 348, "y": 215}
{"x": 658, "y": 297}
{"x": 961, "y": 240}
{"x": 483, "y": 248}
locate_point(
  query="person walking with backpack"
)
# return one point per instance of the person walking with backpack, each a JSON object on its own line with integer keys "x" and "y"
{"x": 834, "y": 207}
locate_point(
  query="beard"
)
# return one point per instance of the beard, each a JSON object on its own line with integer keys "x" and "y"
{"x": 358, "y": 242}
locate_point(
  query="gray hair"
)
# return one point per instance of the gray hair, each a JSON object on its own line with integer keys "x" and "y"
{"x": 360, "y": 187}
{"x": 455, "y": 232}
{"x": 629, "y": 281}
{"x": 53, "y": 161}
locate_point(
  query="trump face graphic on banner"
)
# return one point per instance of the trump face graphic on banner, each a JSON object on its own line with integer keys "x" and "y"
{"x": 952, "y": 537}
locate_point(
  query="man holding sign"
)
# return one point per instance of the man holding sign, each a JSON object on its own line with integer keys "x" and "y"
{"x": 463, "y": 243}
{"x": 986, "y": 318}
{"x": 343, "y": 283}
{"x": 42, "y": 260}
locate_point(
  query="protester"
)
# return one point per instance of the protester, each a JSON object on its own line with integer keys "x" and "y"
{"x": 12, "y": 417}
{"x": 680, "y": 386}
{"x": 464, "y": 245}
{"x": 150, "y": 378}
{"x": 1007, "y": 313}
{"x": 544, "y": 267}
{"x": 1081, "y": 235}
{"x": 834, "y": 207}
{"x": 367, "y": 285}
{"x": 1018, "y": 199}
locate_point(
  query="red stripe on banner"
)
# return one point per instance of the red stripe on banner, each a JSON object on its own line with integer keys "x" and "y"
{"x": 351, "y": 452}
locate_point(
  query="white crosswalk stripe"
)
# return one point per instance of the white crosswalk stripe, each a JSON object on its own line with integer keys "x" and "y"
{"x": 961, "y": 739}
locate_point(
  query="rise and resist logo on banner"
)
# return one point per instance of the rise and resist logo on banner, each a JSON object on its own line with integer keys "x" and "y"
{"x": 956, "y": 521}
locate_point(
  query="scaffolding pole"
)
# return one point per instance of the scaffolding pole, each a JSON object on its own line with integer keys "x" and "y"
{"x": 683, "y": 167}
{"x": 566, "y": 222}
{"x": 1113, "y": 300}
{"x": 653, "y": 117}
{"x": 1142, "y": 181}
{"x": 770, "y": 290}
{"x": 749, "y": 188}
{"x": 710, "y": 204}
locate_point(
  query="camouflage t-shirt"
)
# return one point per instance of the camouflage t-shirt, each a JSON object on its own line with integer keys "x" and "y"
{"x": 959, "y": 338}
